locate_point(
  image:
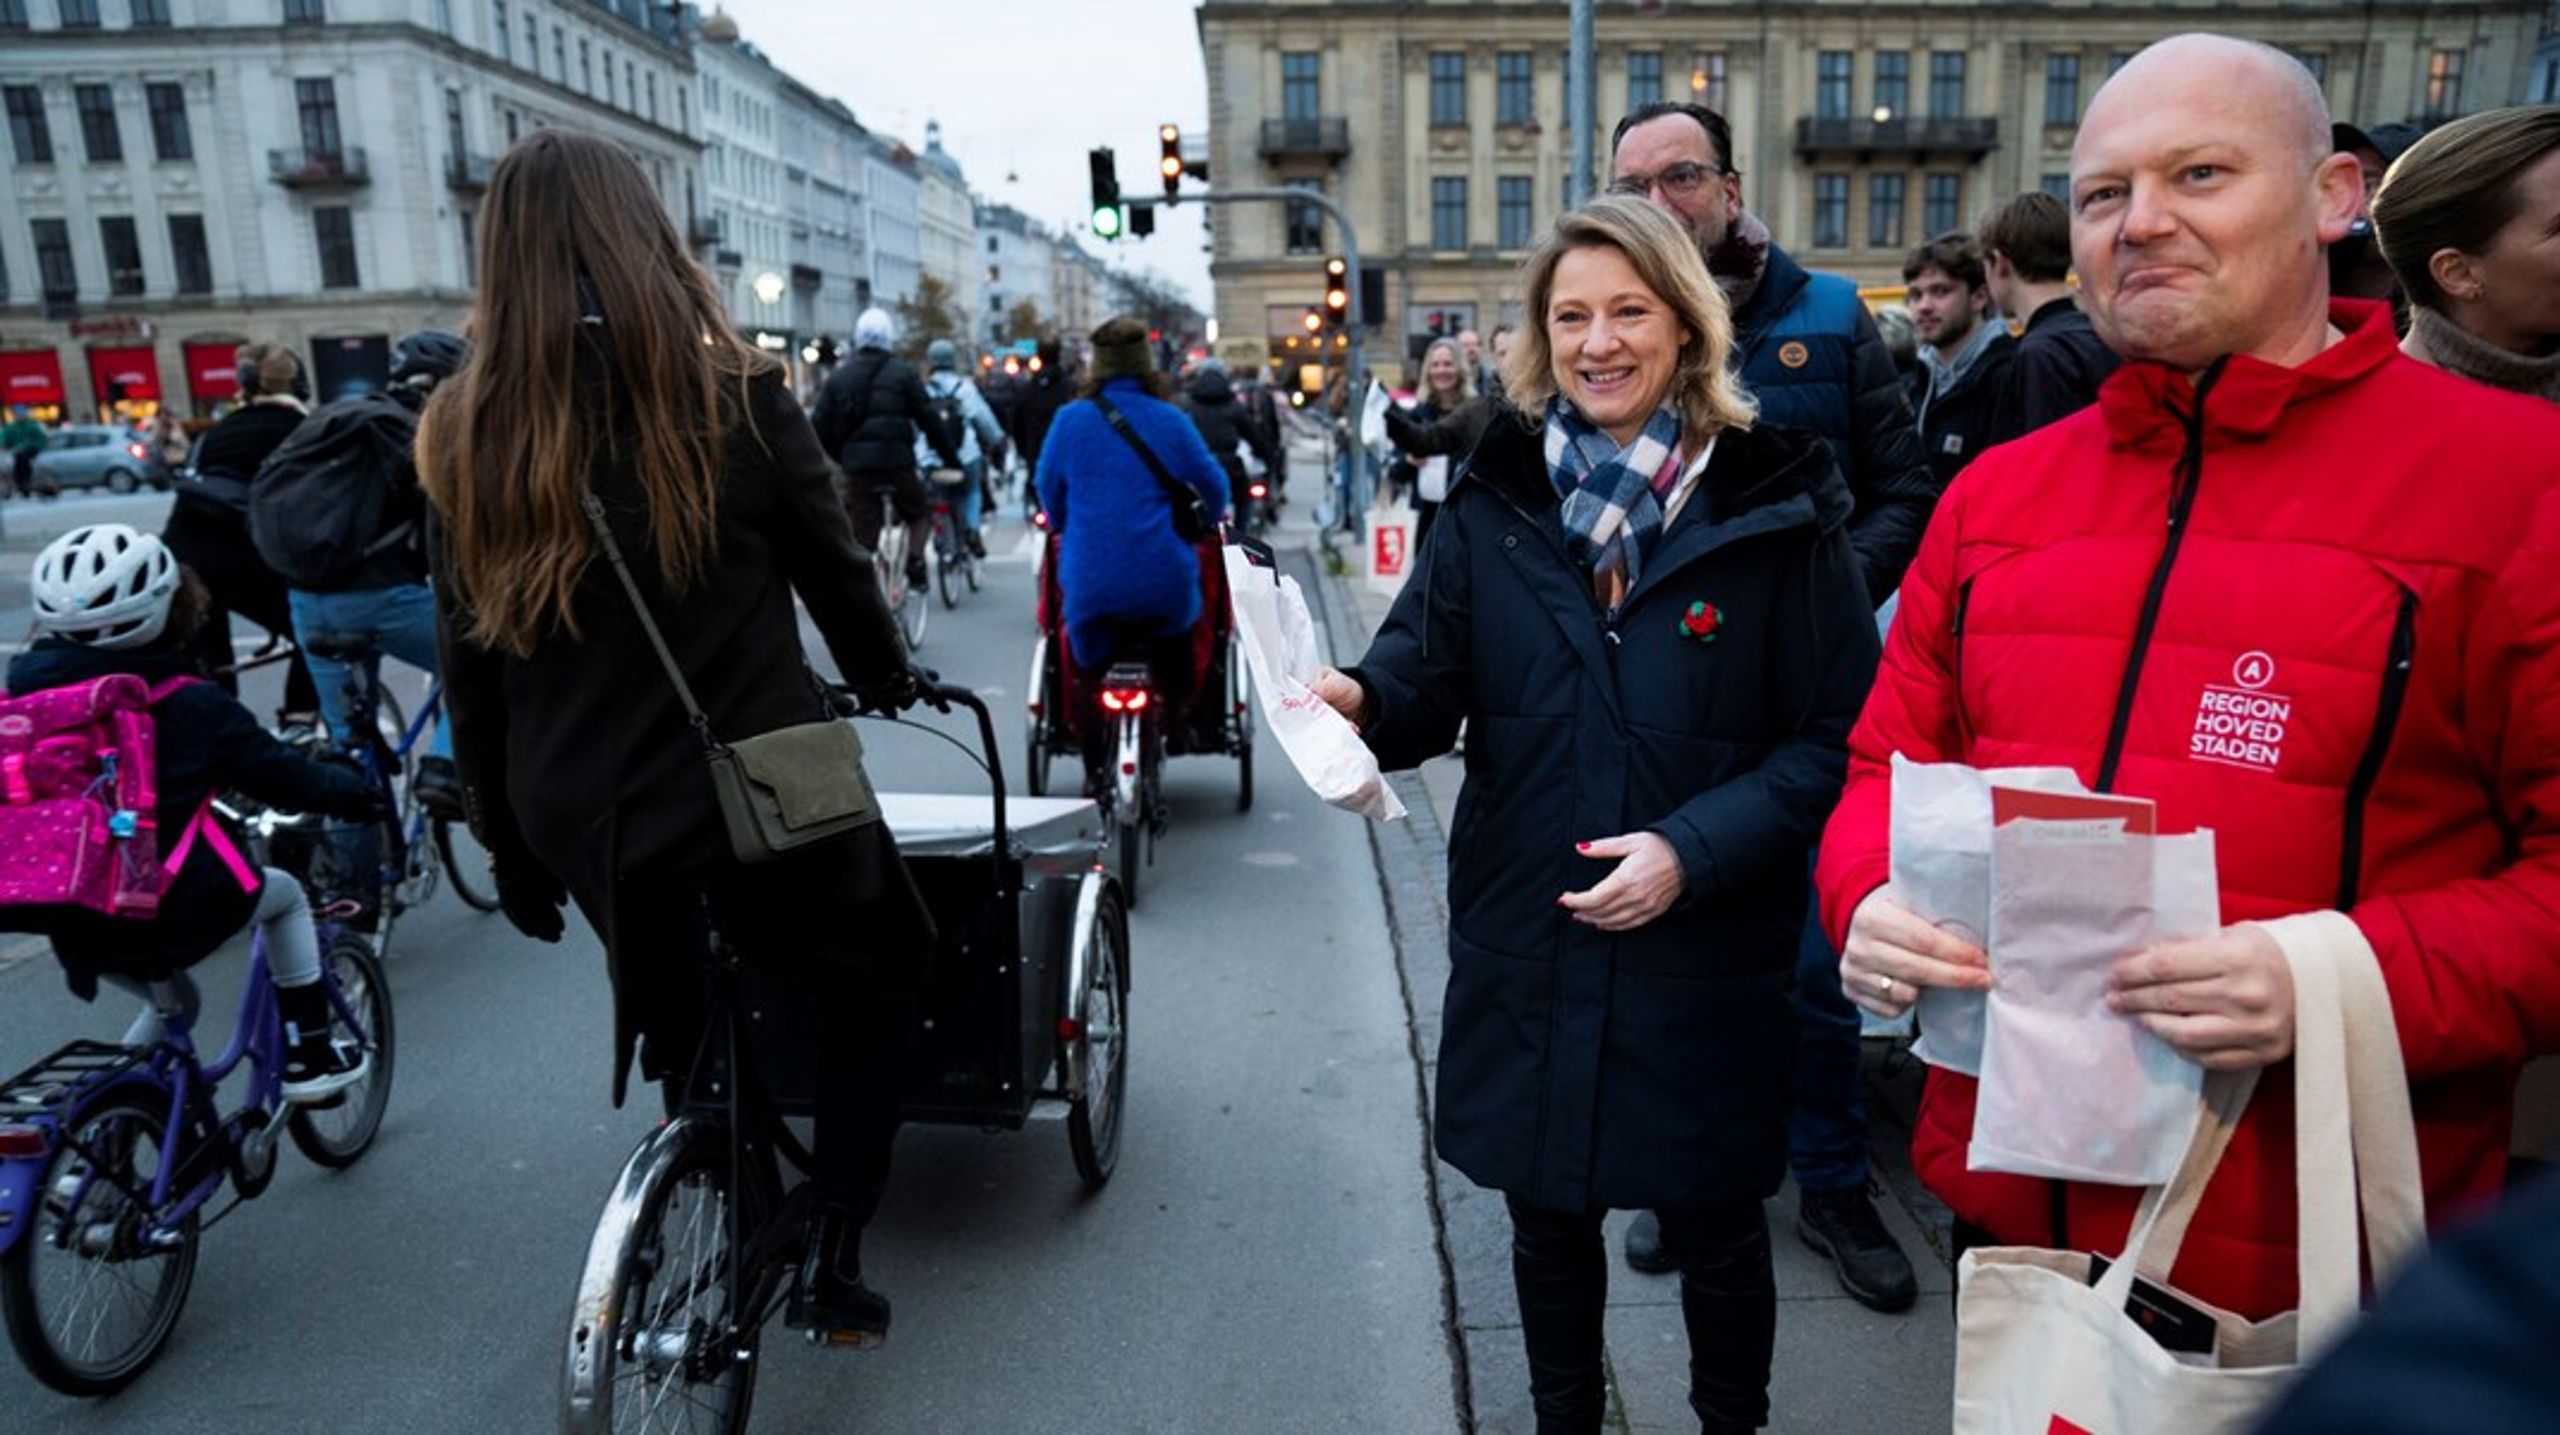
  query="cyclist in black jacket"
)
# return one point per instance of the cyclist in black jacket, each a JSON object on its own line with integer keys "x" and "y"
{"x": 867, "y": 419}
{"x": 208, "y": 525}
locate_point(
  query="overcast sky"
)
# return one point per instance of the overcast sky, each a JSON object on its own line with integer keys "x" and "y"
{"x": 1023, "y": 89}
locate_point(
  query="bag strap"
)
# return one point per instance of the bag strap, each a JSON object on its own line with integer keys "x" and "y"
{"x": 1183, "y": 493}
{"x": 648, "y": 624}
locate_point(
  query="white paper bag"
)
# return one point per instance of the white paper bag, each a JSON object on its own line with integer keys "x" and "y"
{"x": 1390, "y": 550}
{"x": 1279, "y": 641}
{"x": 1373, "y": 415}
{"x": 1431, "y": 478}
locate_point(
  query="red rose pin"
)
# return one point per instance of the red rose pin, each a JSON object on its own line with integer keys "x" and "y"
{"x": 1702, "y": 622}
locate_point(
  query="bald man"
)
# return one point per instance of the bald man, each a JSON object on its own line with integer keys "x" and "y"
{"x": 2289, "y": 586}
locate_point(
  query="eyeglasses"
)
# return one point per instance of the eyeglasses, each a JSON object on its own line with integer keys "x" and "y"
{"x": 1679, "y": 181}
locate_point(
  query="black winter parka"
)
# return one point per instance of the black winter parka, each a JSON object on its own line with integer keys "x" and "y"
{"x": 870, "y": 412}
{"x": 1580, "y": 1068}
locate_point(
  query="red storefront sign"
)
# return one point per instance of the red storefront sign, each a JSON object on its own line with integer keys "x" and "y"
{"x": 136, "y": 369}
{"x": 213, "y": 371}
{"x": 30, "y": 376}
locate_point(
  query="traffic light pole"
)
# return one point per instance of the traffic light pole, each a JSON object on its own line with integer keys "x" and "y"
{"x": 1355, "y": 385}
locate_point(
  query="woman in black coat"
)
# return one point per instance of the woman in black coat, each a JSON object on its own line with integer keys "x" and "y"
{"x": 1647, "y": 613}
{"x": 1443, "y": 423}
{"x": 590, "y": 373}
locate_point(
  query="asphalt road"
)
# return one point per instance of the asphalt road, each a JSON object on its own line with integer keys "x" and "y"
{"x": 1264, "y": 1260}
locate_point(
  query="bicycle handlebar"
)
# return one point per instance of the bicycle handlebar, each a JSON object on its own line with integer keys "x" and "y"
{"x": 943, "y": 697}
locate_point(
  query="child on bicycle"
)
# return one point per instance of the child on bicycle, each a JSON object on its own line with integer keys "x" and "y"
{"x": 109, "y": 599}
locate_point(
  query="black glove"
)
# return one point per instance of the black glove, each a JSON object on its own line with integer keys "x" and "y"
{"x": 529, "y": 895}
{"x": 896, "y": 693}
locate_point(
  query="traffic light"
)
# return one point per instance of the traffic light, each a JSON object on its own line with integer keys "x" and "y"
{"x": 1337, "y": 290}
{"x": 1142, "y": 220}
{"x": 1106, "y": 193}
{"x": 1171, "y": 165}
{"x": 1313, "y": 320}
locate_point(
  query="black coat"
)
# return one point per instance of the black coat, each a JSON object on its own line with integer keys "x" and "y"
{"x": 1955, "y": 422}
{"x": 1647, "y": 1068}
{"x": 870, "y": 412}
{"x": 203, "y": 743}
{"x": 580, "y": 756}
{"x": 2055, "y": 373}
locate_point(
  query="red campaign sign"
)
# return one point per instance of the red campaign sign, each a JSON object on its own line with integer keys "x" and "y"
{"x": 30, "y": 376}
{"x": 213, "y": 370}
{"x": 1389, "y": 541}
{"x": 137, "y": 368}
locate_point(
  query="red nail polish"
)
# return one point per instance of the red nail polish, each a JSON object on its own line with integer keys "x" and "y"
{"x": 1582, "y": 847}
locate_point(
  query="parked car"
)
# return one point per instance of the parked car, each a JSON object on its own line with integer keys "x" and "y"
{"x": 108, "y": 456}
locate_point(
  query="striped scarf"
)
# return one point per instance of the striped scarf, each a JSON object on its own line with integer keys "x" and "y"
{"x": 1612, "y": 496}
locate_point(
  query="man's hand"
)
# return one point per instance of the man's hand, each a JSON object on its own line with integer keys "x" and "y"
{"x": 1642, "y": 886}
{"x": 2225, "y": 1002}
{"x": 1340, "y": 693}
{"x": 1892, "y": 952}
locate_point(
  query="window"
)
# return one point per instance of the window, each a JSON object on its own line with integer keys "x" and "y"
{"x": 1448, "y": 87}
{"x": 1942, "y": 204}
{"x": 13, "y": 16}
{"x": 79, "y": 14}
{"x": 317, "y": 103}
{"x": 124, "y": 255}
{"x": 2116, "y": 60}
{"x": 1299, "y": 71}
{"x": 512, "y": 128}
{"x": 455, "y": 137}
{"x": 470, "y": 249}
{"x": 652, "y": 95}
{"x": 1893, "y": 85}
{"x": 2056, "y": 184}
{"x": 150, "y": 14}
{"x": 2062, "y": 89}
{"x": 1644, "y": 77}
{"x": 306, "y": 12}
{"x": 532, "y": 41}
{"x": 1831, "y": 74}
{"x": 1707, "y": 79}
{"x": 1831, "y": 211}
{"x": 559, "y": 55}
{"x": 498, "y": 30}
{"x": 188, "y": 252}
{"x": 610, "y": 94}
{"x": 170, "y": 137}
{"x": 2444, "y": 84}
{"x": 1515, "y": 95}
{"x": 586, "y": 68}
{"x": 1884, "y": 211}
{"x": 1449, "y": 213}
{"x": 1946, "y": 84}
{"x": 1305, "y": 222}
{"x": 98, "y": 133}
{"x": 334, "y": 226}
{"x": 1513, "y": 219}
{"x": 2316, "y": 61}
{"x": 631, "y": 84}
{"x": 444, "y": 17}
{"x": 30, "y": 138}
{"x": 53, "y": 260}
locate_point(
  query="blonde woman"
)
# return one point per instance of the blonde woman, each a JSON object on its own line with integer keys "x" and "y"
{"x": 1647, "y": 613}
{"x": 1439, "y": 430}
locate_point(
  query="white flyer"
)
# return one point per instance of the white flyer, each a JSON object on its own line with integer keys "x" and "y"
{"x": 1279, "y": 640}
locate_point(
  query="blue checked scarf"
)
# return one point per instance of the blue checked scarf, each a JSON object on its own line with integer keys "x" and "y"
{"x": 1612, "y": 496}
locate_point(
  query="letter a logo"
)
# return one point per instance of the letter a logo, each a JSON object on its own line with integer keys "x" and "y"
{"x": 2254, "y": 670}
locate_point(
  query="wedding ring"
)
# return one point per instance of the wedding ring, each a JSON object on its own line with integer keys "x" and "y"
{"x": 1884, "y": 985}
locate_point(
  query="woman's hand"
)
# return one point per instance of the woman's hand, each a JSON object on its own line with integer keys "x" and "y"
{"x": 1892, "y": 952}
{"x": 1646, "y": 882}
{"x": 1340, "y": 693}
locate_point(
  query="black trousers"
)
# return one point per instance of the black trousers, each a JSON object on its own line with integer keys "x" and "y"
{"x": 1728, "y": 1301}
{"x": 1168, "y": 657}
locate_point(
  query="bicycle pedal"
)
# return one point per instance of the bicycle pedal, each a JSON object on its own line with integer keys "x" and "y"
{"x": 848, "y": 1339}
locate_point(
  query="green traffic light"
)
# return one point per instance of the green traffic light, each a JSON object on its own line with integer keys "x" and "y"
{"x": 1106, "y": 222}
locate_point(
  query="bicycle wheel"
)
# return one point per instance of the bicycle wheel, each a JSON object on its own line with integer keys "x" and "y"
{"x": 90, "y": 1290}
{"x": 1093, "y": 1119}
{"x": 947, "y": 562}
{"x": 658, "y": 1353}
{"x": 466, "y": 863}
{"x": 334, "y": 1136}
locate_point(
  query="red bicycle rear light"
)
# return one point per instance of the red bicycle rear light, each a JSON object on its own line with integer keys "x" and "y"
{"x": 22, "y": 1143}
{"x": 1040, "y": 519}
{"x": 1258, "y": 490}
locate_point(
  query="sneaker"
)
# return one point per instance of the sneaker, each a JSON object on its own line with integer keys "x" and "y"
{"x": 316, "y": 1071}
{"x": 918, "y": 575}
{"x": 438, "y": 788}
{"x": 977, "y": 544}
{"x": 830, "y": 1303}
{"x": 1644, "y": 1246}
{"x": 1844, "y": 1226}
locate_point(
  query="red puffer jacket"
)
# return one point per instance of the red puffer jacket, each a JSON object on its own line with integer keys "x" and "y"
{"x": 2323, "y": 620}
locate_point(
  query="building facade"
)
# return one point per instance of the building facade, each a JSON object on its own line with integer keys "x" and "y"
{"x": 739, "y": 96}
{"x": 822, "y": 148}
{"x": 1020, "y": 269}
{"x": 1861, "y": 129}
{"x": 893, "y": 210}
{"x": 188, "y": 175}
{"x": 947, "y": 228}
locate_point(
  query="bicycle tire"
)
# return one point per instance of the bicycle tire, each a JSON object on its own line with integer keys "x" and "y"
{"x": 1094, "y": 1119}
{"x": 666, "y": 1330}
{"x": 121, "y": 1125}
{"x": 947, "y": 559}
{"x": 334, "y": 1136}
{"x": 466, "y": 865}
{"x": 912, "y": 615}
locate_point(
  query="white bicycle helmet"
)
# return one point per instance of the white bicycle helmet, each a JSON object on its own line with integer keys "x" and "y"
{"x": 107, "y": 585}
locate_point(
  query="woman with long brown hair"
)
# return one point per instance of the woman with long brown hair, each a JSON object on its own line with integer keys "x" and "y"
{"x": 602, "y": 365}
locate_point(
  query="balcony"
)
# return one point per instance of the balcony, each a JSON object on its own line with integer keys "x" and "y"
{"x": 468, "y": 173}
{"x": 319, "y": 169}
{"x": 1971, "y": 136}
{"x": 1325, "y": 137}
{"x": 706, "y": 230}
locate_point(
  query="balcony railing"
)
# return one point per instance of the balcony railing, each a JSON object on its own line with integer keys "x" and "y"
{"x": 706, "y": 231}
{"x": 1969, "y": 135}
{"x": 467, "y": 172}
{"x": 318, "y": 169}
{"x": 1322, "y": 136}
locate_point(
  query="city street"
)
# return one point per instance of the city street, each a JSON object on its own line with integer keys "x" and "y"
{"x": 1265, "y": 1260}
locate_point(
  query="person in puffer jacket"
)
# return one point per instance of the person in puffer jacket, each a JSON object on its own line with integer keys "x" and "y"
{"x": 2291, "y": 586}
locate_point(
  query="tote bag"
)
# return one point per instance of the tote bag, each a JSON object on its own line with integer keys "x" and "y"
{"x": 2041, "y": 1350}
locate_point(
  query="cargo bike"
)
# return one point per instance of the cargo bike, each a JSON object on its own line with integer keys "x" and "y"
{"x": 1026, "y": 1011}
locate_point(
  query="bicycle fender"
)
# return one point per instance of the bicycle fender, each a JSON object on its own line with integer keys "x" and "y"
{"x": 591, "y": 1319}
{"x": 1089, "y": 894}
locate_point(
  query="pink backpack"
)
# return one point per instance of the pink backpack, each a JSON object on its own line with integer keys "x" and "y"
{"x": 79, "y": 798}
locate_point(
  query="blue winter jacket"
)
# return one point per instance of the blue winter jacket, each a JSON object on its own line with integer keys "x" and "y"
{"x": 1119, "y": 559}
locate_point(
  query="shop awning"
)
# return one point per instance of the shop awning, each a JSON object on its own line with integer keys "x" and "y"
{"x": 213, "y": 370}
{"x": 30, "y": 376}
{"x": 136, "y": 367}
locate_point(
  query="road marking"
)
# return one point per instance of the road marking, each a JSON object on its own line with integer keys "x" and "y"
{"x": 1270, "y": 859}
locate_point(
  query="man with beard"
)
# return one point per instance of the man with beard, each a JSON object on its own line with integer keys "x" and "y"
{"x": 1964, "y": 351}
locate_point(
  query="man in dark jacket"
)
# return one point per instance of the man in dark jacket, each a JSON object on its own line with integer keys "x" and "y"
{"x": 2060, "y": 361}
{"x": 1803, "y": 342}
{"x": 1808, "y": 351}
{"x": 1964, "y": 351}
{"x": 867, "y": 419}
{"x": 1224, "y": 422}
{"x": 1044, "y": 391}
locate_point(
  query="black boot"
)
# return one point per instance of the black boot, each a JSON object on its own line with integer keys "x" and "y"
{"x": 831, "y": 1303}
{"x": 316, "y": 1066}
{"x": 1844, "y": 1226}
{"x": 439, "y": 787}
{"x": 1644, "y": 1246}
